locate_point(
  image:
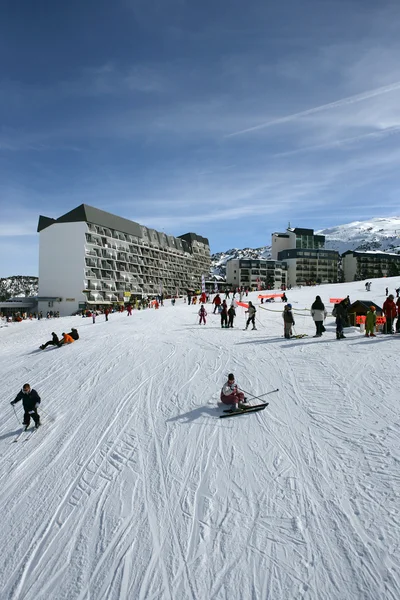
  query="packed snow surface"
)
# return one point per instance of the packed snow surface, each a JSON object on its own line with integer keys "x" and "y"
{"x": 135, "y": 489}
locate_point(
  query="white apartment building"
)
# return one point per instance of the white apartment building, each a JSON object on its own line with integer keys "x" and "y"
{"x": 249, "y": 272}
{"x": 92, "y": 257}
{"x": 296, "y": 237}
{"x": 305, "y": 255}
{"x": 306, "y": 266}
{"x": 358, "y": 265}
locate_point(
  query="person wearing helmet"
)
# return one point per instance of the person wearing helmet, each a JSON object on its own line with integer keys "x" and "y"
{"x": 231, "y": 395}
{"x": 288, "y": 321}
{"x": 370, "y": 322}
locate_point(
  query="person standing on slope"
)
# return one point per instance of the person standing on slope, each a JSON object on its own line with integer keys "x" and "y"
{"x": 370, "y": 322}
{"x": 216, "y": 302}
{"x": 231, "y": 395}
{"x": 202, "y": 314}
{"x": 288, "y": 321}
{"x": 341, "y": 315}
{"x": 231, "y": 315}
{"x": 224, "y": 314}
{"x": 390, "y": 312}
{"x": 251, "y": 311}
{"x": 30, "y": 401}
{"x": 319, "y": 314}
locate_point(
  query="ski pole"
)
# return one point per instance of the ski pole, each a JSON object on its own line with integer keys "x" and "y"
{"x": 15, "y": 412}
{"x": 51, "y": 419}
{"x": 261, "y": 396}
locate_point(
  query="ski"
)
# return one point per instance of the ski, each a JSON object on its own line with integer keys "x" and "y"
{"x": 251, "y": 409}
{"x": 20, "y": 434}
{"x": 229, "y": 410}
{"x": 31, "y": 433}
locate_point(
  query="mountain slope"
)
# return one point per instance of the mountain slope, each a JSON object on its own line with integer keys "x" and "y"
{"x": 135, "y": 489}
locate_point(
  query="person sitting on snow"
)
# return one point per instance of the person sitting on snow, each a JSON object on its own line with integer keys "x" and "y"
{"x": 53, "y": 342}
{"x": 74, "y": 334}
{"x": 231, "y": 395}
{"x": 67, "y": 339}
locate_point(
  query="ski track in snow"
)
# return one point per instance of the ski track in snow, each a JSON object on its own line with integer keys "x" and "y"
{"x": 134, "y": 488}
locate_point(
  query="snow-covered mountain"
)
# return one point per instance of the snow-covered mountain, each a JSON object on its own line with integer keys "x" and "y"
{"x": 18, "y": 285}
{"x": 219, "y": 260}
{"x": 381, "y": 233}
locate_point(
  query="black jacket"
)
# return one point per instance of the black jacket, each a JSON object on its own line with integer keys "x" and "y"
{"x": 28, "y": 400}
{"x": 74, "y": 334}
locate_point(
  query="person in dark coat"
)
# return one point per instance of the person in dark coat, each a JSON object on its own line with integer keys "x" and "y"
{"x": 318, "y": 314}
{"x": 74, "y": 334}
{"x": 288, "y": 321}
{"x": 224, "y": 314}
{"x": 341, "y": 316}
{"x": 53, "y": 342}
{"x": 231, "y": 315}
{"x": 30, "y": 401}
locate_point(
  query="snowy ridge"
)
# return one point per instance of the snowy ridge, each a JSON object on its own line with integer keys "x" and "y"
{"x": 134, "y": 488}
{"x": 18, "y": 285}
{"x": 375, "y": 234}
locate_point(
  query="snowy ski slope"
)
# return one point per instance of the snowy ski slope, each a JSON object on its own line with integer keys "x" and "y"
{"x": 135, "y": 489}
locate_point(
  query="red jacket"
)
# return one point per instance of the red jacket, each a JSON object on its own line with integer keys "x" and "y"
{"x": 389, "y": 308}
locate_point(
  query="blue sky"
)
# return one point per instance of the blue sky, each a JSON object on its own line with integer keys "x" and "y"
{"x": 225, "y": 118}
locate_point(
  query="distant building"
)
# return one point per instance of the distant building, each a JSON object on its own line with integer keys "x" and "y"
{"x": 307, "y": 266}
{"x": 296, "y": 238}
{"x": 358, "y": 265}
{"x": 305, "y": 255}
{"x": 92, "y": 257}
{"x": 249, "y": 273}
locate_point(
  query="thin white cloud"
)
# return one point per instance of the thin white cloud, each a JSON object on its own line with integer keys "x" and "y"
{"x": 324, "y": 107}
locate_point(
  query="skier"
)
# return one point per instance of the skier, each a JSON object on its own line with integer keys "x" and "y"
{"x": 288, "y": 321}
{"x": 30, "y": 401}
{"x": 252, "y": 315}
{"x": 202, "y": 314}
{"x": 231, "y": 395}
{"x": 53, "y": 342}
{"x": 231, "y": 315}
{"x": 319, "y": 314}
{"x": 370, "y": 322}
